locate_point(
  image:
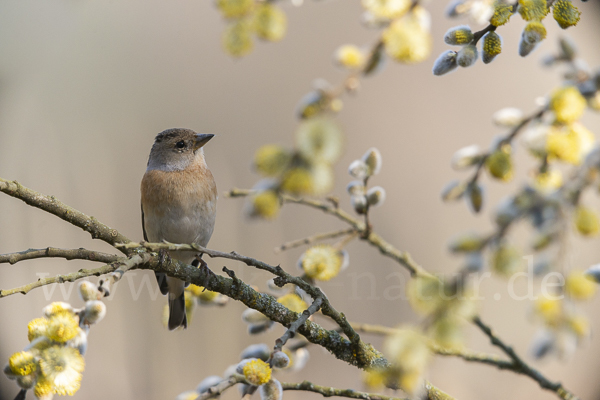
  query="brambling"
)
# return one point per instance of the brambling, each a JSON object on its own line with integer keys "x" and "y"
{"x": 179, "y": 204}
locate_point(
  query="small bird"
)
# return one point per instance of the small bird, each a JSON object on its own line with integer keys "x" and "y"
{"x": 179, "y": 205}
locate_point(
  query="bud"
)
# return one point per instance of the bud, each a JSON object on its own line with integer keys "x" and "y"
{"x": 271, "y": 159}
{"x": 359, "y": 203}
{"x": 454, "y": 190}
{"x": 271, "y": 390}
{"x": 567, "y": 47}
{"x": 376, "y": 196}
{"x": 492, "y": 46}
{"x": 445, "y": 63}
{"x": 586, "y": 221}
{"x": 466, "y": 157}
{"x": 459, "y": 35}
{"x": 207, "y": 383}
{"x": 532, "y": 10}
{"x": 372, "y": 159}
{"x": 237, "y": 38}
{"x": 567, "y": 104}
{"x": 525, "y": 48}
{"x": 565, "y": 13}
{"x": 89, "y": 291}
{"x": 260, "y": 351}
{"x": 508, "y": 117}
{"x": 234, "y": 8}
{"x": 355, "y": 188}
{"x": 279, "y": 359}
{"x": 594, "y": 272}
{"x": 502, "y": 13}
{"x": 580, "y": 286}
{"x": 467, "y": 56}
{"x": 349, "y": 56}
{"x": 270, "y": 23}
{"x": 474, "y": 196}
{"x": 534, "y": 32}
{"x": 505, "y": 260}
{"x": 467, "y": 243}
{"x": 499, "y": 164}
{"x": 358, "y": 169}
{"x": 93, "y": 312}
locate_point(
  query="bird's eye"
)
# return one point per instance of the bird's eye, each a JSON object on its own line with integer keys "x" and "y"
{"x": 180, "y": 144}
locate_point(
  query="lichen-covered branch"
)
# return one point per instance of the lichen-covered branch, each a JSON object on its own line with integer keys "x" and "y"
{"x": 282, "y": 279}
{"x": 327, "y": 391}
{"x": 53, "y": 252}
{"x": 55, "y": 207}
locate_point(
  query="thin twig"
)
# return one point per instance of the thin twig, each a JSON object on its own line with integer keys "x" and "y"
{"x": 314, "y": 238}
{"x": 327, "y": 391}
{"x": 53, "y": 252}
{"x": 55, "y": 207}
{"x": 291, "y": 331}
{"x": 522, "y": 367}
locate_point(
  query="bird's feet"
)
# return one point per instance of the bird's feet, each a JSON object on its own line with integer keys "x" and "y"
{"x": 203, "y": 266}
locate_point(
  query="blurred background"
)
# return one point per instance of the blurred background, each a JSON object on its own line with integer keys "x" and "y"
{"x": 86, "y": 85}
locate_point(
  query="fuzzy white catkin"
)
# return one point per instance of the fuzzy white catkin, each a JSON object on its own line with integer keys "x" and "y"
{"x": 467, "y": 56}
{"x": 466, "y": 157}
{"x": 359, "y": 203}
{"x": 373, "y": 160}
{"x": 271, "y": 390}
{"x": 88, "y": 291}
{"x": 508, "y": 117}
{"x": 94, "y": 311}
{"x": 358, "y": 169}
{"x": 279, "y": 359}
{"x": 252, "y": 316}
{"x": 207, "y": 383}
{"x": 445, "y": 63}
{"x": 459, "y": 35}
{"x": 260, "y": 350}
{"x": 79, "y": 342}
{"x": 453, "y": 190}
{"x": 355, "y": 188}
{"x": 376, "y": 196}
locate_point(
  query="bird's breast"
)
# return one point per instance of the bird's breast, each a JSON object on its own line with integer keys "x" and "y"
{"x": 179, "y": 206}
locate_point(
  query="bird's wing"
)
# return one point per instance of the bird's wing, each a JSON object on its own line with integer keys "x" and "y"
{"x": 161, "y": 278}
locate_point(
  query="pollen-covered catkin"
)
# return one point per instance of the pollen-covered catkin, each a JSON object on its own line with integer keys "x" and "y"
{"x": 492, "y": 46}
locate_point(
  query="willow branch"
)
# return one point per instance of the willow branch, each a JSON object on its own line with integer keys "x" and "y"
{"x": 55, "y": 207}
{"x": 53, "y": 252}
{"x": 315, "y": 238}
{"x": 521, "y": 367}
{"x": 282, "y": 278}
{"x": 327, "y": 391}
{"x": 291, "y": 331}
{"x": 402, "y": 257}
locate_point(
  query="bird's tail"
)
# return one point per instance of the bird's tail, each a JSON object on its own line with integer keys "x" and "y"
{"x": 177, "y": 315}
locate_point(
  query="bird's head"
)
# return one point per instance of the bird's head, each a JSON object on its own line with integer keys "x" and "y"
{"x": 175, "y": 149}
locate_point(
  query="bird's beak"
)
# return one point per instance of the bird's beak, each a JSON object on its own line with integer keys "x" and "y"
{"x": 201, "y": 139}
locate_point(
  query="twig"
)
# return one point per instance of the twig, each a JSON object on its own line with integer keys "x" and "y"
{"x": 53, "y": 252}
{"x": 53, "y": 206}
{"x": 521, "y": 367}
{"x": 327, "y": 391}
{"x": 315, "y": 238}
{"x": 218, "y": 389}
{"x": 291, "y": 331}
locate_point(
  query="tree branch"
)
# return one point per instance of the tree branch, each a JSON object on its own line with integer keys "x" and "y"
{"x": 315, "y": 238}
{"x": 53, "y": 252}
{"x": 291, "y": 331}
{"x": 327, "y": 391}
{"x": 53, "y": 206}
{"x": 521, "y": 367}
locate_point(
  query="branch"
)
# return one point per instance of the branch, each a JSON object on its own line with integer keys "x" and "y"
{"x": 53, "y": 252}
{"x": 331, "y": 392}
{"x": 282, "y": 279}
{"x": 117, "y": 268}
{"x": 522, "y": 367}
{"x": 291, "y": 331}
{"x": 315, "y": 238}
{"x": 404, "y": 259}
{"x": 384, "y": 247}
{"x": 53, "y": 206}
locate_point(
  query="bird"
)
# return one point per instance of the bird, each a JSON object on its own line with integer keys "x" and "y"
{"x": 179, "y": 205}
